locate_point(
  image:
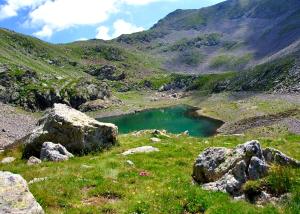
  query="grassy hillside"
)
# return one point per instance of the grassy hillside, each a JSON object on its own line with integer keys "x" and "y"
{"x": 32, "y": 70}
{"x": 106, "y": 183}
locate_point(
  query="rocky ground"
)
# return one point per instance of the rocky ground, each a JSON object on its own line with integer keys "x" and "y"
{"x": 14, "y": 124}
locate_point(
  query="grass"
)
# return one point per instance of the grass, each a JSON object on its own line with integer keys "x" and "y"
{"x": 230, "y": 62}
{"x": 206, "y": 83}
{"x": 113, "y": 186}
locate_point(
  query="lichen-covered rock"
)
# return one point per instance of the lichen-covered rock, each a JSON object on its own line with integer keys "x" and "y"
{"x": 54, "y": 152}
{"x": 257, "y": 168}
{"x": 15, "y": 196}
{"x": 226, "y": 170}
{"x": 213, "y": 163}
{"x": 71, "y": 128}
{"x": 275, "y": 156}
{"x": 231, "y": 182}
{"x": 33, "y": 161}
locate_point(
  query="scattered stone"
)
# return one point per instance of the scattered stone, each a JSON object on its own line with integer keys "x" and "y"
{"x": 54, "y": 152}
{"x": 226, "y": 170}
{"x": 160, "y": 133}
{"x": 155, "y": 140}
{"x": 186, "y": 133}
{"x": 33, "y": 161}
{"x": 143, "y": 149}
{"x": 15, "y": 196}
{"x": 36, "y": 180}
{"x": 8, "y": 160}
{"x": 72, "y": 129}
{"x": 86, "y": 166}
{"x": 129, "y": 162}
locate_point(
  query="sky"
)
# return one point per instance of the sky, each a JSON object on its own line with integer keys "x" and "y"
{"x": 62, "y": 21}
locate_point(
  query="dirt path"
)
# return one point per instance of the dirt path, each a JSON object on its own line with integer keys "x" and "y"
{"x": 14, "y": 124}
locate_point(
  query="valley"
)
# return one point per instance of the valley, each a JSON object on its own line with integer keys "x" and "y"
{"x": 198, "y": 114}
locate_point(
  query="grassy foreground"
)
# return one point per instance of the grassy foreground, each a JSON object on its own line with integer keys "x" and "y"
{"x": 106, "y": 183}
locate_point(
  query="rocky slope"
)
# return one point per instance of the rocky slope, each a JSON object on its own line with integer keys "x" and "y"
{"x": 231, "y": 35}
{"x": 35, "y": 74}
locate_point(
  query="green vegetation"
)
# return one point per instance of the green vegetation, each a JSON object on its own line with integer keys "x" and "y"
{"x": 104, "y": 182}
{"x": 266, "y": 76}
{"x": 191, "y": 57}
{"x": 206, "y": 83}
{"x": 230, "y": 62}
{"x": 184, "y": 44}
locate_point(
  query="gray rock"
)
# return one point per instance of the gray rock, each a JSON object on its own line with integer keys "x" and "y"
{"x": 226, "y": 170}
{"x": 143, "y": 149}
{"x": 257, "y": 168}
{"x": 72, "y": 129}
{"x": 130, "y": 163}
{"x": 155, "y": 140}
{"x": 231, "y": 182}
{"x": 15, "y": 196}
{"x": 33, "y": 161}
{"x": 54, "y": 152}
{"x": 275, "y": 156}
{"x": 206, "y": 166}
{"x": 213, "y": 163}
{"x": 8, "y": 160}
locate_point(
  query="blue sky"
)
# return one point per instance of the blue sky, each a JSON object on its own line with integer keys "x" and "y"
{"x": 61, "y": 21}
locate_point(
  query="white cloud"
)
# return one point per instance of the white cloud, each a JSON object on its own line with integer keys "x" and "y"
{"x": 45, "y": 32}
{"x": 82, "y": 39}
{"x": 119, "y": 27}
{"x": 51, "y": 16}
{"x": 103, "y": 33}
{"x": 123, "y": 27}
{"x": 62, "y": 14}
{"x": 11, "y": 7}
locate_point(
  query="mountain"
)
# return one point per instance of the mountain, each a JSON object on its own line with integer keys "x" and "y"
{"x": 230, "y": 36}
{"x": 35, "y": 74}
{"x": 236, "y": 45}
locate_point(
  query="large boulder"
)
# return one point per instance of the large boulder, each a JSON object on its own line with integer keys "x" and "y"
{"x": 226, "y": 170}
{"x": 76, "y": 131}
{"x": 54, "y": 152}
{"x": 15, "y": 196}
{"x": 213, "y": 163}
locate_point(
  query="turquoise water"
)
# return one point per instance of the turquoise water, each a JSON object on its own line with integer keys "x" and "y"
{"x": 176, "y": 119}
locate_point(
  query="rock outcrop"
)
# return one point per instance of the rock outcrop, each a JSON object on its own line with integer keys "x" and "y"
{"x": 54, "y": 152}
{"x": 76, "y": 131}
{"x": 226, "y": 170}
{"x": 15, "y": 196}
{"x": 108, "y": 72}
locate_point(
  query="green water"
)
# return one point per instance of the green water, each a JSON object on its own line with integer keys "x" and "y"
{"x": 176, "y": 119}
